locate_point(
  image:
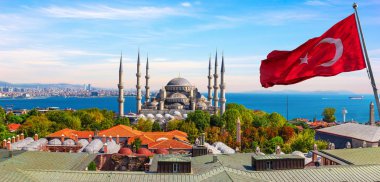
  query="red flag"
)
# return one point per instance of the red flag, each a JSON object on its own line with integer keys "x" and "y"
{"x": 337, "y": 50}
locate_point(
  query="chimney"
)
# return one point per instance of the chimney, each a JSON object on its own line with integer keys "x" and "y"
{"x": 170, "y": 150}
{"x": 13, "y": 139}
{"x": 203, "y": 139}
{"x": 214, "y": 158}
{"x": 117, "y": 139}
{"x": 89, "y": 138}
{"x": 257, "y": 150}
{"x": 76, "y": 138}
{"x": 35, "y": 137}
{"x": 62, "y": 138}
{"x": 104, "y": 140}
{"x": 315, "y": 149}
{"x": 110, "y": 138}
{"x": 105, "y": 148}
{"x": 9, "y": 145}
{"x": 278, "y": 150}
{"x": 371, "y": 114}
{"x": 22, "y": 136}
{"x": 332, "y": 146}
{"x": 17, "y": 138}
{"x": 4, "y": 144}
{"x": 348, "y": 145}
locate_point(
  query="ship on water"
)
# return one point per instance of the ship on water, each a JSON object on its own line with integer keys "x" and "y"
{"x": 356, "y": 97}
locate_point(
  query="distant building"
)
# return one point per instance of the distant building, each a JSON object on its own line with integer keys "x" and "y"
{"x": 179, "y": 94}
{"x": 354, "y": 134}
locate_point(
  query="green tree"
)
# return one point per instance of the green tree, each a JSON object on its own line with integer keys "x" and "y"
{"x": 4, "y": 132}
{"x": 156, "y": 126}
{"x": 144, "y": 124}
{"x": 303, "y": 141}
{"x": 91, "y": 166}
{"x": 64, "y": 119}
{"x": 122, "y": 120}
{"x": 11, "y": 118}
{"x": 230, "y": 118}
{"x": 191, "y": 130}
{"x": 2, "y": 115}
{"x": 200, "y": 118}
{"x": 215, "y": 120}
{"x": 260, "y": 120}
{"x": 37, "y": 124}
{"x": 270, "y": 145}
{"x": 329, "y": 114}
{"x": 174, "y": 124}
{"x": 276, "y": 120}
{"x": 33, "y": 112}
{"x": 136, "y": 144}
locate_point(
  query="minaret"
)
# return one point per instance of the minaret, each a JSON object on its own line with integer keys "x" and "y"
{"x": 371, "y": 114}
{"x": 209, "y": 87}
{"x": 147, "y": 92}
{"x": 121, "y": 88}
{"x": 222, "y": 89}
{"x": 238, "y": 133}
{"x": 216, "y": 99}
{"x": 138, "y": 87}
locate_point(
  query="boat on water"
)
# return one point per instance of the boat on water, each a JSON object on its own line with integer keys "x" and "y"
{"x": 356, "y": 97}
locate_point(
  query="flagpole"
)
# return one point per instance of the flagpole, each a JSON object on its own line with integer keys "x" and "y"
{"x": 369, "y": 69}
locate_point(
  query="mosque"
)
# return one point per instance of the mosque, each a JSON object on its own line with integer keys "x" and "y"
{"x": 179, "y": 95}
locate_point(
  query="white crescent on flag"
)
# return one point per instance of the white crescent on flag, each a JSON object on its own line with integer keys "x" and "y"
{"x": 338, "y": 50}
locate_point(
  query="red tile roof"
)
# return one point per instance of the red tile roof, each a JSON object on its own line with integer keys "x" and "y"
{"x": 144, "y": 140}
{"x": 13, "y": 127}
{"x": 71, "y": 133}
{"x": 166, "y": 144}
{"x": 121, "y": 130}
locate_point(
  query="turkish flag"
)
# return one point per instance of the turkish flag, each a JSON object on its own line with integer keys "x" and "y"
{"x": 337, "y": 50}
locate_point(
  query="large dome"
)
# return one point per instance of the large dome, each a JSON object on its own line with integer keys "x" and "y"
{"x": 178, "y": 82}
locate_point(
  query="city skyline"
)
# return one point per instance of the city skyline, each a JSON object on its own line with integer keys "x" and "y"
{"x": 76, "y": 43}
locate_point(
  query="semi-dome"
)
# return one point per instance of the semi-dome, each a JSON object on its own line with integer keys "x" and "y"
{"x": 178, "y": 96}
{"x": 178, "y": 82}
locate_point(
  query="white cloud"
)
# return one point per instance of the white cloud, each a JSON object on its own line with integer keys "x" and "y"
{"x": 186, "y": 4}
{"x": 107, "y": 12}
{"x": 317, "y": 3}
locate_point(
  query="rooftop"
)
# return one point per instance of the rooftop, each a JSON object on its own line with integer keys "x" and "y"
{"x": 47, "y": 161}
{"x": 71, "y": 133}
{"x": 173, "y": 158}
{"x": 274, "y": 156}
{"x": 353, "y": 130}
{"x": 234, "y": 167}
{"x": 121, "y": 130}
{"x": 356, "y": 156}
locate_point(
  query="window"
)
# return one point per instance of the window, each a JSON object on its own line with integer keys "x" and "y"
{"x": 269, "y": 165}
{"x": 175, "y": 167}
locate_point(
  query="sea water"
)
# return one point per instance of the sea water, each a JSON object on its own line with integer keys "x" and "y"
{"x": 289, "y": 105}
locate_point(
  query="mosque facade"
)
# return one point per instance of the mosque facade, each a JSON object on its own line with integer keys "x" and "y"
{"x": 178, "y": 95}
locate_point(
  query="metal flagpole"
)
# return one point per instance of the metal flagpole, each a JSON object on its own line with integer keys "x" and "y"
{"x": 369, "y": 69}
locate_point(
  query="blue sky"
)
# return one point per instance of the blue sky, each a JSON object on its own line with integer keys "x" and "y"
{"x": 80, "y": 41}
